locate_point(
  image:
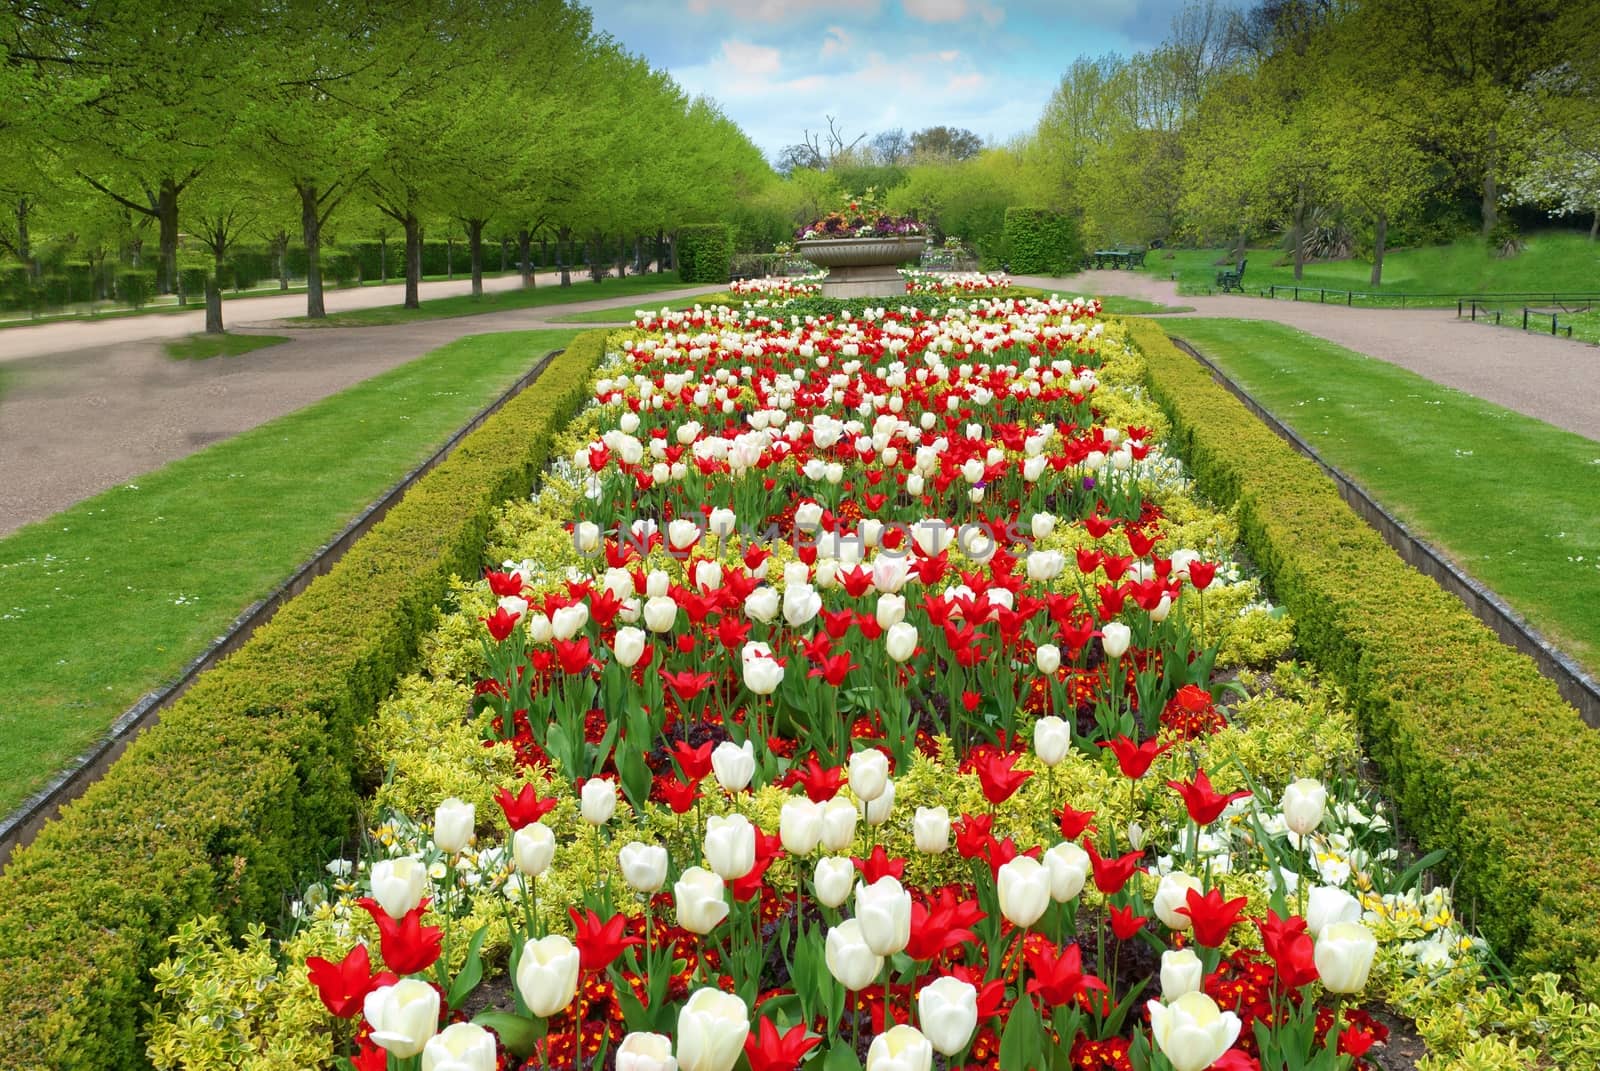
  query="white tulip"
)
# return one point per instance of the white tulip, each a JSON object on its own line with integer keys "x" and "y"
{"x": 598, "y": 801}
{"x": 1024, "y": 888}
{"x": 884, "y": 911}
{"x": 1343, "y": 954}
{"x": 644, "y": 866}
{"x": 734, "y": 764}
{"x": 947, "y": 1008}
{"x": 900, "y": 1048}
{"x": 762, "y": 604}
{"x": 891, "y": 610}
{"x": 682, "y": 534}
{"x": 699, "y": 897}
{"x": 850, "y": 959}
{"x": 399, "y": 884}
{"x": 762, "y": 675}
{"x": 1114, "y": 638}
{"x": 1173, "y": 893}
{"x": 1052, "y": 739}
{"x": 1043, "y": 525}
{"x": 656, "y": 584}
{"x": 869, "y": 774}
{"x": 402, "y": 1016}
{"x": 1191, "y": 1031}
{"x": 1304, "y": 803}
{"x": 538, "y": 626}
{"x": 452, "y": 825}
{"x": 660, "y": 613}
{"x": 833, "y": 879}
{"x": 1047, "y": 658}
{"x": 712, "y": 1027}
{"x": 461, "y": 1047}
{"x": 930, "y": 829}
{"x": 641, "y": 1051}
{"x": 628, "y": 646}
{"x": 533, "y": 847}
{"x": 800, "y": 604}
{"x": 900, "y": 641}
{"x": 1069, "y": 866}
{"x": 838, "y": 824}
{"x": 1181, "y": 972}
{"x": 547, "y": 974}
{"x": 730, "y": 846}
{"x": 800, "y": 826}
{"x": 566, "y": 622}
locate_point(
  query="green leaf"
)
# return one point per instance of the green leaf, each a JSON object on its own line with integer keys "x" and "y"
{"x": 1022, "y": 1044}
{"x": 471, "y": 970}
{"x": 841, "y": 1058}
{"x": 635, "y": 774}
{"x": 519, "y": 1034}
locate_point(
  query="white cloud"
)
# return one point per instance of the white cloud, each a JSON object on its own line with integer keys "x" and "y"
{"x": 953, "y": 10}
{"x": 949, "y": 55}
{"x": 779, "y": 10}
{"x": 836, "y": 41}
{"x": 752, "y": 60}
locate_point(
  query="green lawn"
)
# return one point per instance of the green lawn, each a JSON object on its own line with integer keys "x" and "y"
{"x": 467, "y": 305}
{"x": 1555, "y": 261}
{"x": 1114, "y": 305}
{"x": 1510, "y": 498}
{"x": 204, "y": 347}
{"x": 106, "y": 600}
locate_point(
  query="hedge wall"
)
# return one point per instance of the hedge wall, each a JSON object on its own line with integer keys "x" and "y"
{"x": 248, "y": 779}
{"x": 1483, "y": 755}
{"x": 705, "y": 253}
{"x": 1039, "y": 241}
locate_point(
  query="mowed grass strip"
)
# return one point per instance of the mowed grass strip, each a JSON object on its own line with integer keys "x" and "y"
{"x": 107, "y": 600}
{"x": 1550, "y": 262}
{"x": 1511, "y": 499}
{"x": 503, "y": 300}
{"x": 205, "y": 347}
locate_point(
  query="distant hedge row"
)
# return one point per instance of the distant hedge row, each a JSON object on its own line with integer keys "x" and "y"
{"x": 250, "y": 776}
{"x": 1484, "y": 756}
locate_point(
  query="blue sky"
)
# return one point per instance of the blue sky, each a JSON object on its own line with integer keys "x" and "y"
{"x": 779, "y": 67}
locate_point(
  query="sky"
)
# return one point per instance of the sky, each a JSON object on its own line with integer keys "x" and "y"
{"x": 780, "y": 67}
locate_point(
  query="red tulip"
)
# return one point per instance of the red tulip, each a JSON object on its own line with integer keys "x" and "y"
{"x": 1204, "y": 803}
{"x": 1058, "y": 976}
{"x": 525, "y": 807}
{"x": 1124, "y": 923}
{"x": 1073, "y": 823}
{"x": 998, "y": 778}
{"x": 973, "y": 835}
{"x": 1356, "y": 1040}
{"x": 408, "y": 946}
{"x": 767, "y": 1050}
{"x": 500, "y": 623}
{"x": 686, "y": 685}
{"x": 599, "y": 943}
{"x": 1201, "y": 574}
{"x": 343, "y": 986}
{"x": 1236, "y": 1060}
{"x": 1110, "y": 875}
{"x": 695, "y": 762}
{"x": 574, "y": 655}
{"x": 369, "y": 1057}
{"x": 833, "y": 669}
{"x": 503, "y": 584}
{"x": 1213, "y": 916}
{"x": 680, "y": 796}
{"x": 820, "y": 784}
{"x": 878, "y": 865}
{"x": 1097, "y": 525}
{"x": 1135, "y": 759}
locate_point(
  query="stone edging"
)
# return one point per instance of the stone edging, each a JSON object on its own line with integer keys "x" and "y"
{"x": 20, "y": 826}
{"x": 1575, "y": 685}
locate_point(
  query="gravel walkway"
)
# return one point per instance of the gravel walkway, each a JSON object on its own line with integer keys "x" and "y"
{"x": 83, "y": 409}
{"x": 1556, "y": 380}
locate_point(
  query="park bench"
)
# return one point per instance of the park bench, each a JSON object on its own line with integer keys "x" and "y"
{"x": 1232, "y": 280}
{"x": 1118, "y": 258}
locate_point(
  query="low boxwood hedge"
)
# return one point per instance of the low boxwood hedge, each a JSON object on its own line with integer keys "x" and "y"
{"x": 1483, "y": 755}
{"x": 248, "y": 779}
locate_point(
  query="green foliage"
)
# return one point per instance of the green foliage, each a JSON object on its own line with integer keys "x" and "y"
{"x": 1483, "y": 755}
{"x": 704, "y": 253}
{"x": 192, "y": 282}
{"x": 1040, "y": 241}
{"x": 204, "y": 347}
{"x": 135, "y": 288}
{"x": 81, "y": 924}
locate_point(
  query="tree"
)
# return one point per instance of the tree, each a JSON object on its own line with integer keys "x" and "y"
{"x": 945, "y": 143}
{"x": 893, "y": 147}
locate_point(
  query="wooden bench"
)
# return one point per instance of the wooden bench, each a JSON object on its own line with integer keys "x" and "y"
{"x": 1232, "y": 280}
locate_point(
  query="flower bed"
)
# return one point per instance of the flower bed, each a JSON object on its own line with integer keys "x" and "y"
{"x": 953, "y": 282}
{"x": 781, "y": 286}
{"x": 860, "y": 690}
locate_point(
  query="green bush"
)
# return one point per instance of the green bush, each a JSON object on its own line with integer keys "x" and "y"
{"x": 341, "y": 269}
{"x": 704, "y": 253}
{"x": 80, "y": 279}
{"x": 1039, "y": 241}
{"x": 192, "y": 283}
{"x": 247, "y": 780}
{"x": 1483, "y": 755}
{"x": 136, "y": 287}
{"x": 55, "y": 291}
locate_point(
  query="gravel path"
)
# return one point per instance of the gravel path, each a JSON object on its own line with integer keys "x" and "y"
{"x": 1556, "y": 380}
{"x": 83, "y": 410}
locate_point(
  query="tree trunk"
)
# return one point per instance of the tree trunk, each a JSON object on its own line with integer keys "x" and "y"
{"x": 214, "y": 300}
{"x": 413, "y": 262}
{"x": 449, "y": 257}
{"x": 383, "y": 258}
{"x": 24, "y": 246}
{"x": 282, "y": 243}
{"x": 311, "y": 233}
{"x": 1380, "y": 235}
{"x": 525, "y": 253}
{"x": 475, "y": 247}
{"x": 544, "y": 251}
{"x": 661, "y": 251}
{"x": 502, "y": 255}
{"x": 597, "y": 256}
{"x": 1594, "y": 228}
{"x": 638, "y": 254}
{"x": 1298, "y": 234}
{"x": 167, "y": 215}
{"x": 622, "y": 255}
{"x": 1491, "y": 186}
{"x": 562, "y": 237}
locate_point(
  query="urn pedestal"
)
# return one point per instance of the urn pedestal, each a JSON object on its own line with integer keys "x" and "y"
{"x": 863, "y": 267}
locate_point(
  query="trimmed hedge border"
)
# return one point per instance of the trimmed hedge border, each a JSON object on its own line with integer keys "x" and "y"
{"x": 1483, "y": 755}
{"x": 248, "y": 780}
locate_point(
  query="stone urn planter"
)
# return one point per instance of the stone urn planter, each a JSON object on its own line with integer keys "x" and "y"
{"x": 863, "y": 267}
